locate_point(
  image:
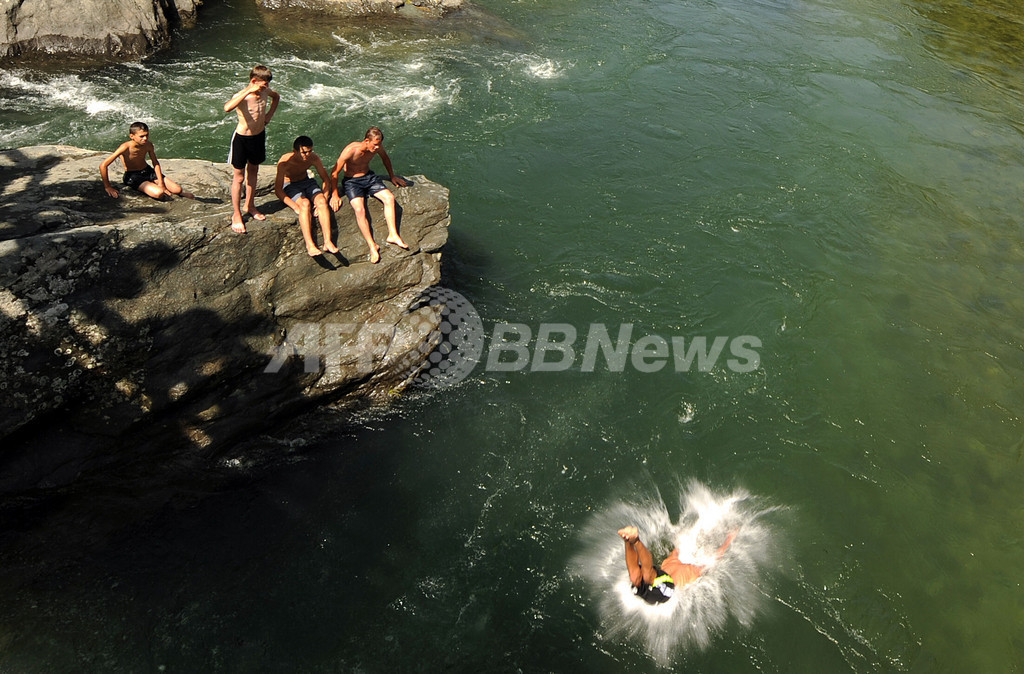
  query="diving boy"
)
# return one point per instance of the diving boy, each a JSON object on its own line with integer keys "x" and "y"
{"x": 299, "y": 192}
{"x": 249, "y": 141}
{"x": 656, "y": 584}
{"x": 352, "y": 172}
{"x": 139, "y": 175}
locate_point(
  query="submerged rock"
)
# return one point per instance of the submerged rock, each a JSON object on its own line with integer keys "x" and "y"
{"x": 133, "y": 325}
{"x": 366, "y": 7}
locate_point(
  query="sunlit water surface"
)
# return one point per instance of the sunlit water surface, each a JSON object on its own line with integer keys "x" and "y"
{"x": 840, "y": 180}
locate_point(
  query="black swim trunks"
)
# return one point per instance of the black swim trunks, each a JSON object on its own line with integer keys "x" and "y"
{"x": 134, "y": 179}
{"x": 658, "y": 592}
{"x": 307, "y": 188}
{"x": 247, "y": 149}
{"x": 363, "y": 186}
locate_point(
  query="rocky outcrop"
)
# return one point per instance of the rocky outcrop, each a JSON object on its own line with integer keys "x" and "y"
{"x": 108, "y": 28}
{"x": 146, "y": 326}
{"x": 125, "y": 29}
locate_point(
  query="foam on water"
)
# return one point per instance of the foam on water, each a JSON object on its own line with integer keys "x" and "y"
{"x": 538, "y": 67}
{"x": 405, "y": 101}
{"x": 730, "y": 589}
{"x": 68, "y": 91}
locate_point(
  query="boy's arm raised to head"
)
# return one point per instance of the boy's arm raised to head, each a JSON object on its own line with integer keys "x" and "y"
{"x": 110, "y": 189}
{"x": 237, "y": 99}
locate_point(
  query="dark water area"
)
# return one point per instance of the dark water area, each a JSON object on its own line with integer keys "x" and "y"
{"x": 840, "y": 181}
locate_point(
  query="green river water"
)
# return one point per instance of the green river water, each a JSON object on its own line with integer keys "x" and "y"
{"x": 840, "y": 180}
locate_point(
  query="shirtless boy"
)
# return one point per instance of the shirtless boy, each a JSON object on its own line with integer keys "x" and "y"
{"x": 299, "y": 192}
{"x": 656, "y": 584}
{"x": 249, "y": 141}
{"x": 138, "y": 174}
{"x": 352, "y": 173}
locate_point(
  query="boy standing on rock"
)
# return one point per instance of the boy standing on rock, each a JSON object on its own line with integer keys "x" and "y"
{"x": 299, "y": 192}
{"x": 249, "y": 141}
{"x": 138, "y": 174}
{"x": 352, "y": 172}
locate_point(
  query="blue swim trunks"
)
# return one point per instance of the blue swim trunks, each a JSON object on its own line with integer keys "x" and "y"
{"x": 307, "y": 189}
{"x": 363, "y": 186}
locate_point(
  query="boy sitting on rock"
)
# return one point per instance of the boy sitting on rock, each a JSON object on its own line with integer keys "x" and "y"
{"x": 138, "y": 174}
{"x": 302, "y": 194}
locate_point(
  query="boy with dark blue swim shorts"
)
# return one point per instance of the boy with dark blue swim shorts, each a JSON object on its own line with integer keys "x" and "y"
{"x": 353, "y": 175}
{"x": 301, "y": 193}
{"x": 249, "y": 141}
{"x": 139, "y": 175}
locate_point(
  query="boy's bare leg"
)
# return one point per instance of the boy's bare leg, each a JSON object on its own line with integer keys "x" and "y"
{"x": 237, "y": 180}
{"x": 306, "y": 226}
{"x": 388, "y": 199}
{"x": 646, "y": 561}
{"x": 171, "y": 187}
{"x": 639, "y": 554}
{"x": 251, "y": 173}
{"x": 323, "y": 214}
{"x": 151, "y": 189}
{"x": 359, "y": 207}
{"x": 628, "y": 535}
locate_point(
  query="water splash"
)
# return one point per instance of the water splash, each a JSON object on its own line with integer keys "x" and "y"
{"x": 68, "y": 91}
{"x": 729, "y": 590}
{"x": 538, "y": 67}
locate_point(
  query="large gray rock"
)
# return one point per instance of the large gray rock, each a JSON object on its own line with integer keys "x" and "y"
{"x": 149, "y": 325}
{"x": 120, "y": 28}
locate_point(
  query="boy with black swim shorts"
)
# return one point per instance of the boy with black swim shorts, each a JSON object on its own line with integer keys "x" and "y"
{"x": 249, "y": 141}
{"x": 139, "y": 175}
{"x": 352, "y": 173}
{"x": 657, "y": 583}
{"x": 301, "y": 193}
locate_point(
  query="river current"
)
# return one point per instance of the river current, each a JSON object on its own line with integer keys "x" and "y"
{"x": 839, "y": 181}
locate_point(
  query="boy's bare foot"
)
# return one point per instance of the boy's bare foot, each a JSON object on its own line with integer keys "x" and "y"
{"x": 331, "y": 248}
{"x": 397, "y": 241}
{"x": 187, "y": 195}
{"x": 313, "y": 251}
{"x": 256, "y": 215}
{"x": 374, "y": 255}
{"x": 629, "y": 534}
{"x": 238, "y": 227}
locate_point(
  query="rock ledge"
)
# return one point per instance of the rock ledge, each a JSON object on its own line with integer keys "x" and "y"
{"x": 131, "y": 325}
